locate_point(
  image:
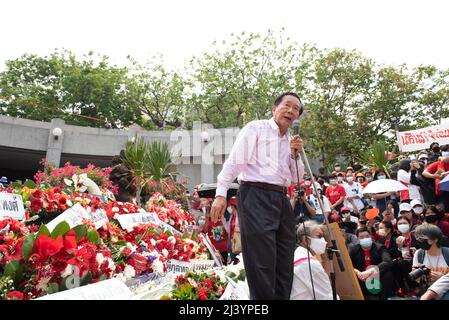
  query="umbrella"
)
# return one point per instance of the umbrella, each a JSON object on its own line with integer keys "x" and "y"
{"x": 208, "y": 190}
{"x": 444, "y": 184}
{"x": 384, "y": 185}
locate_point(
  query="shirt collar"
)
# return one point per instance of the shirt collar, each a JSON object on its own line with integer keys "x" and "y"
{"x": 274, "y": 126}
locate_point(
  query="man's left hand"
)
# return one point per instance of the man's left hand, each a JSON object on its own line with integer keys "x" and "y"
{"x": 296, "y": 145}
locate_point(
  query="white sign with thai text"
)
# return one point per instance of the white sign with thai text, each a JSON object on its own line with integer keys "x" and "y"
{"x": 11, "y": 206}
{"x": 73, "y": 216}
{"x": 421, "y": 139}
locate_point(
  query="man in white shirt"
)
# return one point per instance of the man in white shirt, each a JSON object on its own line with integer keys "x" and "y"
{"x": 264, "y": 158}
{"x": 310, "y": 235}
{"x": 353, "y": 199}
{"x": 319, "y": 216}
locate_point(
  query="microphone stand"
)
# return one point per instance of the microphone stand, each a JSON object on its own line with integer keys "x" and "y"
{"x": 333, "y": 249}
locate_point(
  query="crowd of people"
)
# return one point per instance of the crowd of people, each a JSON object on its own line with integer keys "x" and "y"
{"x": 392, "y": 234}
{"x": 401, "y": 238}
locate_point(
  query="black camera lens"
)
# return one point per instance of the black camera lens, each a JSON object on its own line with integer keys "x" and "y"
{"x": 418, "y": 273}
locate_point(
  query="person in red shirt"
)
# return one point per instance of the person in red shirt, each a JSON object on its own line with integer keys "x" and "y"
{"x": 438, "y": 171}
{"x": 336, "y": 194}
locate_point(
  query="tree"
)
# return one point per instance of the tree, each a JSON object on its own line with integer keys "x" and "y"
{"x": 159, "y": 94}
{"x": 239, "y": 80}
{"x": 80, "y": 92}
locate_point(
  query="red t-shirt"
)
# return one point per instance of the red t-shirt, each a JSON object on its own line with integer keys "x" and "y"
{"x": 335, "y": 193}
{"x": 367, "y": 253}
{"x": 444, "y": 226}
{"x": 434, "y": 168}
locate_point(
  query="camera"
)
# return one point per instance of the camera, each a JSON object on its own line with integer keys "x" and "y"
{"x": 418, "y": 273}
{"x": 301, "y": 194}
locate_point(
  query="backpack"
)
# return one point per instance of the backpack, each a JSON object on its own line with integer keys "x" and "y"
{"x": 444, "y": 251}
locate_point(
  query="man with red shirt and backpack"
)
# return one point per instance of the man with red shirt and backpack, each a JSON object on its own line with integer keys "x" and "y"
{"x": 438, "y": 171}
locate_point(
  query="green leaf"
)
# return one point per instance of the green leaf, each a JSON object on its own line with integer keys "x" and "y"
{"x": 80, "y": 231}
{"x": 43, "y": 230}
{"x": 30, "y": 184}
{"x": 16, "y": 185}
{"x": 28, "y": 246}
{"x": 53, "y": 288}
{"x": 86, "y": 280}
{"x": 61, "y": 229}
{"x": 93, "y": 237}
{"x": 11, "y": 269}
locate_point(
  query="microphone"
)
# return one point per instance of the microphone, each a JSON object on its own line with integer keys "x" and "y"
{"x": 296, "y": 126}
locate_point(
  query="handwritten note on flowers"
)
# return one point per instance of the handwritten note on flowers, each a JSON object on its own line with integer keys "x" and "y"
{"x": 74, "y": 216}
{"x": 11, "y": 206}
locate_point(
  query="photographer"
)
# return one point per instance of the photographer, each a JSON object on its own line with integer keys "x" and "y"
{"x": 303, "y": 208}
{"x": 431, "y": 255}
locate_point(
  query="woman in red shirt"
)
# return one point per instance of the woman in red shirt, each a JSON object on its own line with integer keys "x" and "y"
{"x": 438, "y": 171}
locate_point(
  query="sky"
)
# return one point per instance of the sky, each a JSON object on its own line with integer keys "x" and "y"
{"x": 389, "y": 31}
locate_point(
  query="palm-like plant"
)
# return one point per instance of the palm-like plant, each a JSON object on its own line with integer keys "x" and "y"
{"x": 378, "y": 157}
{"x": 146, "y": 162}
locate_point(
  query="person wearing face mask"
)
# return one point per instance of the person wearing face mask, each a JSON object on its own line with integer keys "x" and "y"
{"x": 360, "y": 177}
{"x": 438, "y": 171}
{"x": 434, "y": 215}
{"x": 309, "y": 235}
{"x": 354, "y": 195}
{"x": 405, "y": 210}
{"x": 432, "y": 254}
{"x": 434, "y": 152}
{"x": 341, "y": 177}
{"x": 388, "y": 238}
{"x": 372, "y": 260}
{"x": 336, "y": 194}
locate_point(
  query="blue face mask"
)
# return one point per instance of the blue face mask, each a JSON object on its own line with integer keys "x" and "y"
{"x": 380, "y": 177}
{"x": 366, "y": 243}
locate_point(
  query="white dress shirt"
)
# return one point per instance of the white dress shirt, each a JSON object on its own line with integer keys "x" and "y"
{"x": 302, "y": 286}
{"x": 260, "y": 154}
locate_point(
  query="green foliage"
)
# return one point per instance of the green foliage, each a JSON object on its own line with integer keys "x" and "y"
{"x": 377, "y": 157}
{"x": 28, "y": 246}
{"x": 61, "y": 229}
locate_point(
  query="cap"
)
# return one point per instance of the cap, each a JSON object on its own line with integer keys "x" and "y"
{"x": 349, "y": 168}
{"x": 405, "y": 207}
{"x": 360, "y": 175}
{"x": 345, "y": 209}
{"x": 415, "y": 202}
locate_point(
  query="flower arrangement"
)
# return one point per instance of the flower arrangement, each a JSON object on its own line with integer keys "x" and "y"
{"x": 169, "y": 211}
{"x": 197, "y": 286}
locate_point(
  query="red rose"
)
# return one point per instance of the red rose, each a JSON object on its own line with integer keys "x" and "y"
{"x": 70, "y": 241}
{"x": 36, "y": 205}
{"x": 139, "y": 263}
{"x": 15, "y": 295}
{"x": 202, "y": 294}
{"x": 59, "y": 265}
{"x": 47, "y": 247}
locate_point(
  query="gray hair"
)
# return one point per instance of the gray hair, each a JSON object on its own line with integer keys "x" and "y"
{"x": 429, "y": 230}
{"x": 306, "y": 229}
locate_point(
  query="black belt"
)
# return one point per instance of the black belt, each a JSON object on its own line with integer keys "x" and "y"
{"x": 266, "y": 186}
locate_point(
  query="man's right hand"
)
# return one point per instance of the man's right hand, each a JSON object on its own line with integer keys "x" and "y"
{"x": 218, "y": 208}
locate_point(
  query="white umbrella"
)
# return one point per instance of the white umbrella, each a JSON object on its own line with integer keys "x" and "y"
{"x": 384, "y": 185}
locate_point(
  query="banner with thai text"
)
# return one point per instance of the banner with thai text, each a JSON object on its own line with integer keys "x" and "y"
{"x": 415, "y": 140}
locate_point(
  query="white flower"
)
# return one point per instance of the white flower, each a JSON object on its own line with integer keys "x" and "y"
{"x": 153, "y": 242}
{"x": 68, "y": 182}
{"x": 129, "y": 271}
{"x": 171, "y": 240}
{"x": 165, "y": 252}
{"x": 100, "y": 258}
{"x": 111, "y": 264}
{"x": 126, "y": 210}
{"x": 43, "y": 284}
{"x": 115, "y": 209}
{"x": 172, "y": 222}
{"x": 68, "y": 271}
{"x": 28, "y": 204}
{"x": 131, "y": 247}
{"x": 158, "y": 266}
{"x": 69, "y": 203}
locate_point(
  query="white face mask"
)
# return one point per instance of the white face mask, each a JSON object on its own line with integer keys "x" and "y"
{"x": 418, "y": 210}
{"x": 307, "y": 183}
{"x": 350, "y": 179}
{"x": 404, "y": 228}
{"x": 380, "y": 177}
{"x": 318, "y": 245}
{"x": 340, "y": 179}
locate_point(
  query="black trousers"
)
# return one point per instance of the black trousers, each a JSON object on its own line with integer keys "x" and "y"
{"x": 267, "y": 227}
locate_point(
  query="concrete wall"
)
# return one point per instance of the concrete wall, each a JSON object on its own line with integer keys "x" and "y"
{"x": 81, "y": 145}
